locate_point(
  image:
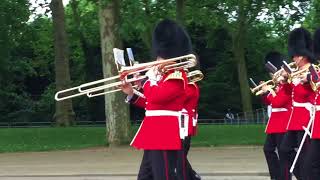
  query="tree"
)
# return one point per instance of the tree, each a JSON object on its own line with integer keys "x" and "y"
{"x": 180, "y": 8}
{"x": 116, "y": 110}
{"x": 240, "y": 18}
{"x": 312, "y": 19}
{"x": 64, "y": 115}
{"x": 239, "y": 44}
{"x": 91, "y": 53}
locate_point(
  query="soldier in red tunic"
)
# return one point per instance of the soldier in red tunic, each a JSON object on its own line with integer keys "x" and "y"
{"x": 313, "y": 154}
{"x": 190, "y": 105}
{"x": 280, "y": 101}
{"x": 299, "y": 48}
{"x": 164, "y": 97}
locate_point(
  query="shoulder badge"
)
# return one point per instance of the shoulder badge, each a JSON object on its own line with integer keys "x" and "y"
{"x": 175, "y": 75}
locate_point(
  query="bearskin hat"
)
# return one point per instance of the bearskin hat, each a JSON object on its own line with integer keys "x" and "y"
{"x": 170, "y": 40}
{"x": 275, "y": 58}
{"x": 316, "y": 44}
{"x": 300, "y": 44}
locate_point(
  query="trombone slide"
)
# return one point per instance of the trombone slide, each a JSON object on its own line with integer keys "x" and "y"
{"x": 108, "y": 85}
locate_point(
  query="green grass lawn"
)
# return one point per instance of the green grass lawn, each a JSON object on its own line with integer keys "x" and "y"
{"x": 44, "y": 139}
{"x": 225, "y": 135}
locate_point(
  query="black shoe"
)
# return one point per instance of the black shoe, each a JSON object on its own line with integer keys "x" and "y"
{"x": 197, "y": 177}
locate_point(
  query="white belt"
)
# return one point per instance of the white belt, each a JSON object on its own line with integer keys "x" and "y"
{"x": 163, "y": 113}
{"x": 305, "y": 105}
{"x": 278, "y": 109}
{"x": 317, "y": 107}
{"x": 183, "y": 124}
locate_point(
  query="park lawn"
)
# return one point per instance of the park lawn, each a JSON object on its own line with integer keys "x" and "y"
{"x": 229, "y": 135}
{"x": 45, "y": 139}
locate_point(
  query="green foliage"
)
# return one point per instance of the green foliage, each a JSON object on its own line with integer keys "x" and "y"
{"x": 27, "y": 55}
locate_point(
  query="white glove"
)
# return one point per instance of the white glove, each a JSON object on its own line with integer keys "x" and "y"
{"x": 153, "y": 83}
{"x": 154, "y": 76}
{"x": 296, "y": 81}
{"x": 152, "y": 73}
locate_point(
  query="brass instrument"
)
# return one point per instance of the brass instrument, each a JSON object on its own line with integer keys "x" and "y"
{"x": 298, "y": 73}
{"x": 258, "y": 89}
{"x": 193, "y": 76}
{"x": 314, "y": 77}
{"x": 276, "y": 78}
{"x": 310, "y": 70}
{"x": 127, "y": 75}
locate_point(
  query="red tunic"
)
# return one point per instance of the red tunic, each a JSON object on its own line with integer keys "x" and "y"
{"x": 191, "y": 104}
{"x": 161, "y": 132}
{"x": 315, "y": 128}
{"x": 281, "y": 107}
{"x": 300, "y": 115}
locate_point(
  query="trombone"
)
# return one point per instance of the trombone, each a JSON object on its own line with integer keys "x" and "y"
{"x": 126, "y": 74}
{"x": 193, "y": 76}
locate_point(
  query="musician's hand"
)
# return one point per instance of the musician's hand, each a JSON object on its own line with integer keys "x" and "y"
{"x": 265, "y": 88}
{"x": 153, "y": 74}
{"x": 303, "y": 78}
{"x": 283, "y": 78}
{"x": 137, "y": 83}
{"x": 127, "y": 88}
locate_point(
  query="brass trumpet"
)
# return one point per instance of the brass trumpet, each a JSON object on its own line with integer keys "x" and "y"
{"x": 311, "y": 70}
{"x": 258, "y": 89}
{"x": 126, "y": 74}
{"x": 276, "y": 78}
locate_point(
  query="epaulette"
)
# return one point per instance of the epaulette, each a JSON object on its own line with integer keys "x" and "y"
{"x": 175, "y": 75}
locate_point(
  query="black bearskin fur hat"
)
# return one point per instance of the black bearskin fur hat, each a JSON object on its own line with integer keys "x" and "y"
{"x": 316, "y": 44}
{"x": 275, "y": 58}
{"x": 300, "y": 44}
{"x": 170, "y": 40}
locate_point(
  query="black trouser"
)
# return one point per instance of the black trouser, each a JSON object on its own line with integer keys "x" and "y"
{"x": 272, "y": 143}
{"x": 191, "y": 173}
{"x": 158, "y": 165}
{"x": 292, "y": 140}
{"x": 313, "y": 159}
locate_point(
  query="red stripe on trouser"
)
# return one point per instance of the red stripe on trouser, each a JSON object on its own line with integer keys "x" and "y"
{"x": 165, "y": 157}
{"x": 184, "y": 166}
{"x": 286, "y": 171}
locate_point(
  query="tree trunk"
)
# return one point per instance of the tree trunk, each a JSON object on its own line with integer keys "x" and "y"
{"x": 92, "y": 66}
{"x": 64, "y": 114}
{"x": 117, "y": 111}
{"x": 146, "y": 36}
{"x": 180, "y": 7}
{"x": 239, "y": 44}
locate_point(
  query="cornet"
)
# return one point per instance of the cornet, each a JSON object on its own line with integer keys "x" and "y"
{"x": 308, "y": 72}
{"x": 126, "y": 74}
{"x": 276, "y": 78}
